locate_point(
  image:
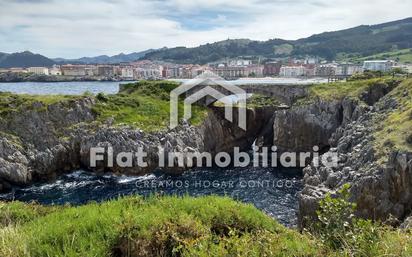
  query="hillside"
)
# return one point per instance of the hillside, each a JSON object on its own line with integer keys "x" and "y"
{"x": 24, "y": 59}
{"x": 105, "y": 59}
{"x": 362, "y": 40}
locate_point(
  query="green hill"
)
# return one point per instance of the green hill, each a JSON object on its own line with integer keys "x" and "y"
{"x": 24, "y": 59}
{"x": 359, "y": 41}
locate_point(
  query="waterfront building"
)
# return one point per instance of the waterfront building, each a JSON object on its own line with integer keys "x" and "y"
{"x": 55, "y": 70}
{"x": 232, "y": 72}
{"x": 127, "y": 73}
{"x": 38, "y": 70}
{"x": 174, "y": 72}
{"x": 271, "y": 68}
{"x": 239, "y": 62}
{"x": 378, "y": 65}
{"x": 310, "y": 70}
{"x": 73, "y": 70}
{"x": 147, "y": 73}
{"x": 105, "y": 71}
{"x": 91, "y": 70}
{"x": 348, "y": 69}
{"x": 326, "y": 70}
{"x": 292, "y": 71}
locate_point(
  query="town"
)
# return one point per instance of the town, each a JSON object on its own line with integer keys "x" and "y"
{"x": 230, "y": 69}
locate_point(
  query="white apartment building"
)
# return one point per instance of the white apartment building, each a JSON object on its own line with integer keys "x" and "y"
{"x": 292, "y": 71}
{"x": 73, "y": 70}
{"x": 239, "y": 62}
{"x": 55, "y": 70}
{"x": 147, "y": 73}
{"x": 39, "y": 70}
{"x": 348, "y": 69}
{"x": 378, "y": 65}
{"x": 127, "y": 73}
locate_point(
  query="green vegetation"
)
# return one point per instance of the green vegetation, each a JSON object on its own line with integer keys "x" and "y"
{"x": 166, "y": 226}
{"x": 11, "y": 103}
{"x": 341, "y": 231}
{"x": 144, "y": 104}
{"x": 258, "y": 100}
{"x": 339, "y": 90}
{"x": 395, "y": 131}
{"x": 186, "y": 226}
{"x": 354, "y": 42}
{"x": 402, "y": 56}
{"x": 284, "y": 49}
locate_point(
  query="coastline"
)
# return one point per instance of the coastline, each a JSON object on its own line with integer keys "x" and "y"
{"x": 24, "y": 77}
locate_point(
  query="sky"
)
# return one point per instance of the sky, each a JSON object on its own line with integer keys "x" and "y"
{"x": 77, "y": 28}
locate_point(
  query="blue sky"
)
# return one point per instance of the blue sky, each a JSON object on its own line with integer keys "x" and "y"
{"x": 76, "y": 28}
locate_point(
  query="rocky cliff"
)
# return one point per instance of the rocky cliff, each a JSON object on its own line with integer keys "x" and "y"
{"x": 39, "y": 141}
{"x": 380, "y": 179}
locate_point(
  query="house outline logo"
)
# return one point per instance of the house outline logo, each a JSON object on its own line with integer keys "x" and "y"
{"x": 208, "y": 78}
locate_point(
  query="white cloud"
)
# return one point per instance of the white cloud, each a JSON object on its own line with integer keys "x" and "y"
{"x": 84, "y": 28}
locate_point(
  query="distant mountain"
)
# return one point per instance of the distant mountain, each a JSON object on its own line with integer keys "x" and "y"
{"x": 362, "y": 40}
{"x": 24, "y": 59}
{"x": 104, "y": 59}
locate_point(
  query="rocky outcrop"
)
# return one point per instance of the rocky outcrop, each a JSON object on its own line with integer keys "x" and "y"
{"x": 302, "y": 127}
{"x": 39, "y": 142}
{"x": 287, "y": 94}
{"x": 183, "y": 139}
{"x": 33, "y": 143}
{"x": 381, "y": 190}
{"x": 221, "y": 135}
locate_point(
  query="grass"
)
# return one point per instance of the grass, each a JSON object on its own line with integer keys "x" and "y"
{"x": 402, "y": 56}
{"x": 395, "y": 131}
{"x": 166, "y": 226}
{"x": 340, "y": 90}
{"x": 144, "y": 104}
{"x": 10, "y": 102}
{"x": 258, "y": 100}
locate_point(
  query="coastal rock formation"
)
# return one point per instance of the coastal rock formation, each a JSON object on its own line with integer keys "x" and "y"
{"x": 300, "y": 128}
{"x": 39, "y": 142}
{"x": 381, "y": 186}
{"x": 33, "y": 145}
{"x": 221, "y": 135}
{"x": 183, "y": 139}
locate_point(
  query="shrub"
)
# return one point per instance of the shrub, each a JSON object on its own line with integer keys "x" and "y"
{"x": 102, "y": 97}
{"x": 339, "y": 229}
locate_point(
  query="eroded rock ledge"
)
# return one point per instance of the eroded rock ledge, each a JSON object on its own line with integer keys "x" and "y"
{"x": 381, "y": 182}
{"x": 40, "y": 142}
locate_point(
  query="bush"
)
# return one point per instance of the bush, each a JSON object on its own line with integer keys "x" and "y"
{"x": 339, "y": 229}
{"x": 102, "y": 97}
